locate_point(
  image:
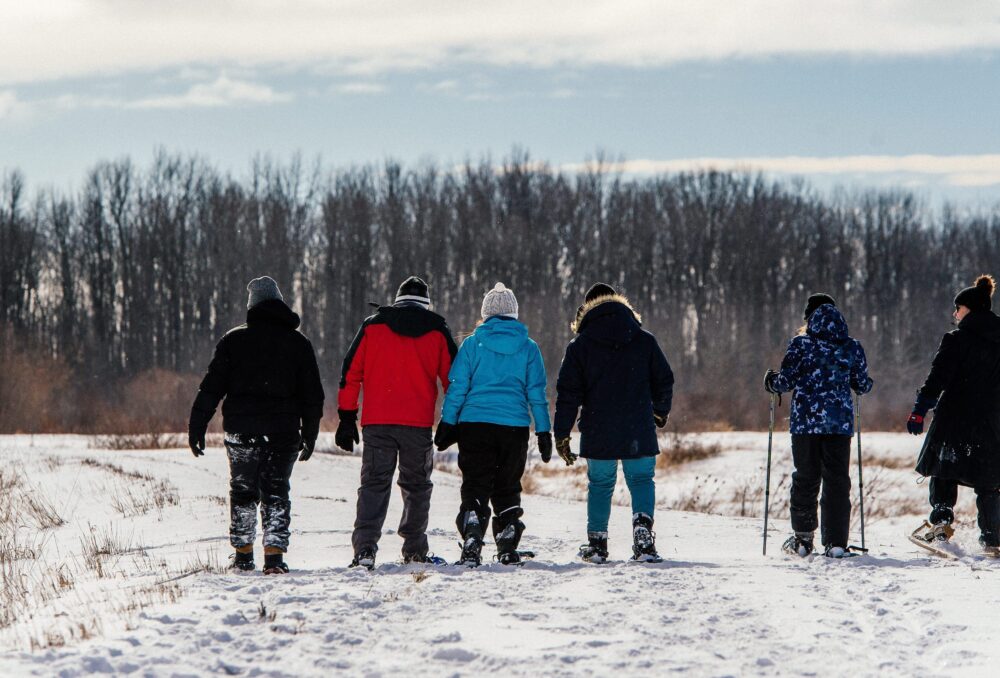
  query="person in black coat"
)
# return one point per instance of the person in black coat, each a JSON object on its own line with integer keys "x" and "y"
{"x": 615, "y": 374}
{"x": 266, "y": 370}
{"x": 963, "y": 443}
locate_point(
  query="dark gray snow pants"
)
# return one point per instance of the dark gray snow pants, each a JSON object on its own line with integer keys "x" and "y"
{"x": 383, "y": 445}
{"x": 259, "y": 471}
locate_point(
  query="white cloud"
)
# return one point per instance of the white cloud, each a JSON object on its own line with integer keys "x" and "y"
{"x": 360, "y": 88}
{"x": 221, "y": 92}
{"x": 954, "y": 170}
{"x": 75, "y": 38}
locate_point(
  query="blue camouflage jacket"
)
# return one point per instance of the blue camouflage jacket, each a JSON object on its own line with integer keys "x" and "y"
{"x": 822, "y": 366}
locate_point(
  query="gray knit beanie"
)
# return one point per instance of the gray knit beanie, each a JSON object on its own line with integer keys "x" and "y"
{"x": 499, "y": 301}
{"x": 262, "y": 289}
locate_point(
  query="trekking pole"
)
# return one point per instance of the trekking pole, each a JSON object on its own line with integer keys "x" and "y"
{"x": 861, "y": 480}
{"x": 767, "y": 481}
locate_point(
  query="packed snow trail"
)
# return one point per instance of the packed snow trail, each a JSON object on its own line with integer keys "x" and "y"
{"x": 714, "y": 607}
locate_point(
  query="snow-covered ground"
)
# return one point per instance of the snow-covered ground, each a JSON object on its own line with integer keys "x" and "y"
{"x": 132, "y": 581}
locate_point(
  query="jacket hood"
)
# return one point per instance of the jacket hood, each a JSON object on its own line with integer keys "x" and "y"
{"x": 505, "y": 336}
{"x": 827, "y": 323}
{"x": 985, "y": 324}
{"x": 409, "y": 320}
{"x": 609, "y": 320}
{"x": 273, "y": 312}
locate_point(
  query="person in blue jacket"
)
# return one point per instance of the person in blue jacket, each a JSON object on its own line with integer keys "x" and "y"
{"x": 497, "y": 385}
{"x": 615, "y": 374}
{"x": 823, "y": 364}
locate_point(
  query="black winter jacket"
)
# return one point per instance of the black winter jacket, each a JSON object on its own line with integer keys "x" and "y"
{"x": 266, "y": 370}
{"x": 963, "y": 442}
{"x": 615, "y": 371}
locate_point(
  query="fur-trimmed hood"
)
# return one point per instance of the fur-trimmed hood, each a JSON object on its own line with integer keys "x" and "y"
{"x": 581, "y": 313}
{"x": 609, "y": 320}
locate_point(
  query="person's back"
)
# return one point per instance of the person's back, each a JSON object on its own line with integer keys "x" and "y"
{"x": 617, "y": 377}
{"x": 394, "y": 365}
{"x": 267, "y": 373}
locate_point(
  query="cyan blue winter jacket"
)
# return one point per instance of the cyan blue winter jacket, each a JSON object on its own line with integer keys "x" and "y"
{"x": 498, "y": 377}
{"x": 822, "y": 366}
{"x": 615, "y": 374}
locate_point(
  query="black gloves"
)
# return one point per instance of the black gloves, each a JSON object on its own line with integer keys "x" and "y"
{"x": 347, "y": 430}
{"x": 197, "y": 426}
{"x": 545, "y": 446}
{"x": 769, "y": 378}
{"x": 196, "y": 441}
{"x": 562, "y": 447}
{"x": 660, "y": 419}
{"x": 310, "y": 431}
{"x": 915, "y": 424}
{"x": 445, "y": 436}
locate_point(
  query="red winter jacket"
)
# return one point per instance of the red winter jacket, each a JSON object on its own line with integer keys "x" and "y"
{"x": 398, "y": 356}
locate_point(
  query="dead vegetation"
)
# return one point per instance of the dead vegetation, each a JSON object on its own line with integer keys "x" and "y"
{"x": 138, "y": 500}
{"x": 682, "y": 449}
{"x": 140, "y": 441}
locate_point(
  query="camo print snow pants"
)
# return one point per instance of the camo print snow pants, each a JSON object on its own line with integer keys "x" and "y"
{"x": 259, "y": 470}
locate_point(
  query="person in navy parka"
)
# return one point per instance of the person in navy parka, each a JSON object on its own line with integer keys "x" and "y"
{"x": 823, "y": 365}
{"x": 615, "y": 374}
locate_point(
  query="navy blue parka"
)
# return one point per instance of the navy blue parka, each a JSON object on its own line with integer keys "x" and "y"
{"x": 616, "y": 376}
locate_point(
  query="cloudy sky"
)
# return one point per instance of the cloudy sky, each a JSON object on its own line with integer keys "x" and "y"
{"x": 853, "y": 93}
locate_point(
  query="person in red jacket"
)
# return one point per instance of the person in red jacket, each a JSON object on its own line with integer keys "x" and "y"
{"x": 397, "y": 358}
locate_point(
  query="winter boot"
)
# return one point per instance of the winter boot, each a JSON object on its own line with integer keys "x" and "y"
{"x": 507, "y": 531}
{"x": 364, "y": 558}
{"x": 596, "y": 551}
{"x": 428, "y": 558}
{"x": 941, "y": 518}
{"x": 644, "y": 539}
{"x": 472, "y": 539}
{"x": 832, "y": 551}
{"x": 274, "y": 561}
{"x": 799, "y": 544}
{"x": 242, "y": 560}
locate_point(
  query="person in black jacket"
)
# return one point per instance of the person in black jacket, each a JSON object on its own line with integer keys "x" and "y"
{"x": 616, "y": 375}
{"x": 266, "y": 371}
{"x": 963, "y": 443}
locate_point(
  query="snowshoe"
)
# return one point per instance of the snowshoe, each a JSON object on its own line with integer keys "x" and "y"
{"x": 644, "y": 540}
{"x": 472, "y": 552}
{"x": 799, "y": 544}
{"x": 509, "y": 558}
{"x": 839, "y": 552}
{"x": 989, "y": 550}
{"x": 934, "y": 538}
{"x": 242, "y": 562}
{"x": 596, "y": 550}
{"x": 428, "y": 558}
{"x": 364, "y": 558}
{"x": 281, "y": 567}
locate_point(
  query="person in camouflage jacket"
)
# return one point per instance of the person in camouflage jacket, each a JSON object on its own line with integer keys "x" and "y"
{"x": 822, "y": 365}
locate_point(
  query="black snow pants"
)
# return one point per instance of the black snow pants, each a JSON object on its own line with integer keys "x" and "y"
{"x": 822, "y": 459}
{"x": 260, "y": 467}
{"x": 944, "y": 494}
{"x": 413, "y": 447}
{"x": 491, "y": 458}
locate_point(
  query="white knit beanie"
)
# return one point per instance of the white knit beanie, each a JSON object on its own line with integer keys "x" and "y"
{"x": 499, "y": 301}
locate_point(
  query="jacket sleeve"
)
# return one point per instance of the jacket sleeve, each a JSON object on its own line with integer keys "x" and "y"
{"x": 213, "y": 388}
{"x": 943, "y": 369}
{"x": 791, "y": 367}
{"x": 447, "y": 355}
{"x": 310, "y": 393}
{"x": 535, "y": 390}
{"x": 860, "y": 381}
{"x": 352, "y": 373}
{"x": 570, "y": 389}
{"x": 460, "y": 378}
{"x": 661, "y": 380}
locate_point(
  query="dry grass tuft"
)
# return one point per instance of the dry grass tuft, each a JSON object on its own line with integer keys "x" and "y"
{"x": 115, "y": 469}
{"x": 140, "y": 441}
{"x": 682, "y": 450}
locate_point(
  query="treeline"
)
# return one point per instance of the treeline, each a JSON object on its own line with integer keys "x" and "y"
{"x": 111, "y": 299}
